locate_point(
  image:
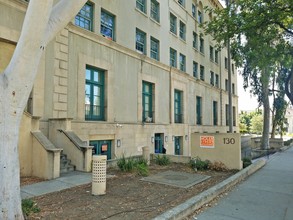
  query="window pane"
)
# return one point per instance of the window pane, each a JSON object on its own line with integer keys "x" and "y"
{"x": 173, "y": 57}
{"x": 84, "y": 17}
{"x": 107, "y": 25}
{"x": 140, "y": 4}
{"x": 173, "y": 24}
{"x": 94, "y": 94}
{"x": 140, "y": 41}
{"x": 155, "y": 10}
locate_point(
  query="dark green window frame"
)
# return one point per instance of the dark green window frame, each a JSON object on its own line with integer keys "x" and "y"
{"x": 195, "y": 40}
{"x": 216, "y": 56}
{"x": 217, "y": 81}
{"x": 107, "y": 25}
{"x": 200, "y": 17}
{"x": 155, "y": 49}
{"x": 94, "y": 94}
{"x": 182, "y": 62}
{"x": 140, "y": 44}
{"x": 211, "y": 53}
{"x": 155, "y": 10}
{"x": 178, "y": 116}
{"x": 182, "y": 2}
{"x": 201, "y": 73}
{"x": 182, "y": 30}
{"x": 212, "y": 79}
{"x": 201, "y": 45}
{"x": 173, "y": 24}
{"x": 141, "y": 5}
{"x": 193, "y": 10}
{"x": 147, "y": 101}
{"x": 215, "y": 113}
{"x": 173, "y": 57}
{"x": 195, "y": 69}
{"x": 84, "y": 18}
{"x": 198, "y": 110}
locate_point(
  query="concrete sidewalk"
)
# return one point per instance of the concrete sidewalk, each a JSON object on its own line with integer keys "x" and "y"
{"x": 66, "y": 181}
{"x": 266, "y": 195}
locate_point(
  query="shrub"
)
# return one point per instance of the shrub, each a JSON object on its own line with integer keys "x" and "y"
{"x": 142, "y": 169}
{"x": 246, "y": 162}
{"x": 29, "y": 206}
{"x": 162, "y": 160}
{"x": 198, "y": 164}
{"x": 126, "y": 164}
{"x": 131, "y": 164}
{"x": 288, "y": 142}
{"x": 217, "y": 166}
{"x": 141, "y": 160}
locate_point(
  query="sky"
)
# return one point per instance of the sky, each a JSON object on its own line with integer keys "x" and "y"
{"x": 245, "y": 100}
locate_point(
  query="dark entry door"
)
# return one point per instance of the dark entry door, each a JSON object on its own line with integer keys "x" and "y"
{"x": 101, "y": 148}
{"x": 177, "y": 146}
{"x": 159, "y": 143}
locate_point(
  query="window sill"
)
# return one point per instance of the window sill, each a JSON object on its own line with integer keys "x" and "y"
{"x": 155, "y": 21}
{"x": 174, "y": 34}
{"x": 141, "y": 12}
{"x": 138, "y": 51}
{"x": 202, "y": 53}
{"x": 183, "y": 40}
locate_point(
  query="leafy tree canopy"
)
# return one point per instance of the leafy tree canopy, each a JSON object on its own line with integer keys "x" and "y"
{"x": 261, "y": 35}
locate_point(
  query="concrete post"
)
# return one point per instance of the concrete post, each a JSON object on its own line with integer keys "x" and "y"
{"x": 146, "y": 154}
{"x": 99, "y": 174}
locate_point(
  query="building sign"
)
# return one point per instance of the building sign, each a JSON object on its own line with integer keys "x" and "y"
{"x": 104, "y": 147}
{"x": 207, "y": 141}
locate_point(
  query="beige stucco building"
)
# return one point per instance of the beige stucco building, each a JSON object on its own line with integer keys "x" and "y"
{"x": 122, "y": 75}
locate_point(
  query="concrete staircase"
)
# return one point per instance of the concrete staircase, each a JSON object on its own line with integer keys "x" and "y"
{"x": 65, "y": 164}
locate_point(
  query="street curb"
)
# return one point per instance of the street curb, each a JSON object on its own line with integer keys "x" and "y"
{"x": 199, "y": 200}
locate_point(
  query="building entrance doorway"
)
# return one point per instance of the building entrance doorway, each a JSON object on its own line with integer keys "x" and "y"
{"x": 178, "y": 145}
{"x": 102, "y": 148}
{"x": 159, "y": 143}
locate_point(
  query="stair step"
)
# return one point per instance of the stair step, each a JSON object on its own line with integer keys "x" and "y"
{"x": 65, "y": 164}
{"x": 66, "y": 169}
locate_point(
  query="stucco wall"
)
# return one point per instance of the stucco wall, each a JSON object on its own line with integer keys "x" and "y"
{"x": 225, "y": 148}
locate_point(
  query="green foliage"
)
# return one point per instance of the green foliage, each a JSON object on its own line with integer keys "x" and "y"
{"x": 126, "y": 164}
{"x": 246, "y": 162}
{"x": 133, "y": 164}
{"x": 288, "y": 142}
{"x": 260, "y": 35}
{"x": 243, "y": 128}
{"x": 142, "y": 169}
{"x": 198, "y": 164}
{"x": 245, "y": 120}
{"x": 257, "y": 124}
{"x": 29, "y": 206}
{"x": 162, "y": 160}
{"x": 279, "y": 119}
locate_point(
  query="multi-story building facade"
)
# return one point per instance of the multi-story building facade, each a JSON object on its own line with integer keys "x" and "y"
{"x": 128, "y": 74}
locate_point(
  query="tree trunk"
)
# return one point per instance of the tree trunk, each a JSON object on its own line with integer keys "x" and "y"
{"x": 10, "y": 201}
{"x": 289, "y": 85}
{"x": 41, "y": 24}
{"x": 266, "y": 112}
